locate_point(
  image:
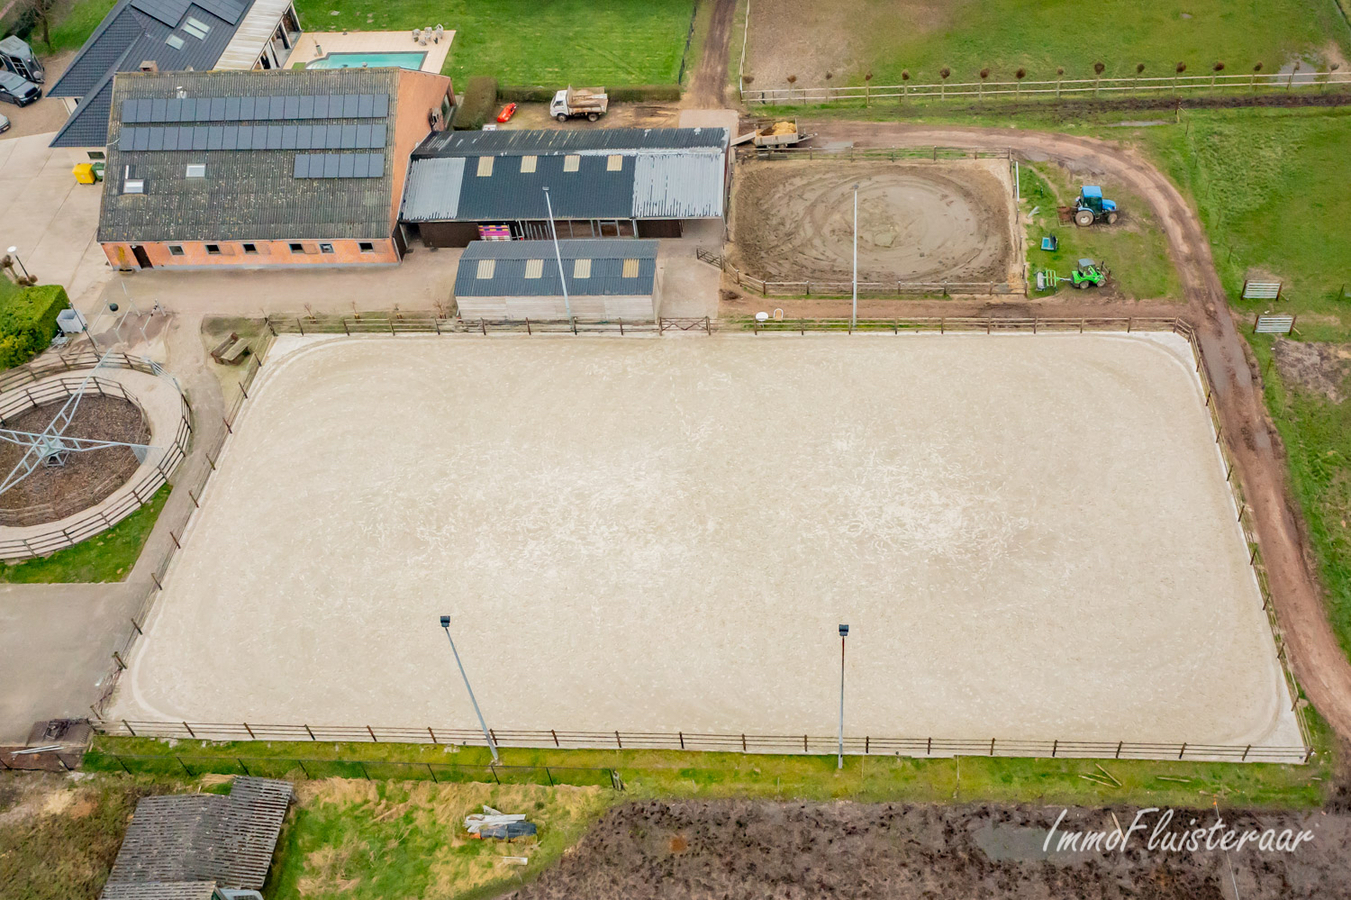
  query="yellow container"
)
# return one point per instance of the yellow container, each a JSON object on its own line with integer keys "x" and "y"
{"x": 84, "y": 173}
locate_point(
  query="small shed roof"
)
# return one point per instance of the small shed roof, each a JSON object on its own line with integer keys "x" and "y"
{"x": 613, "y": 267}
{"x": 179, "y": 840}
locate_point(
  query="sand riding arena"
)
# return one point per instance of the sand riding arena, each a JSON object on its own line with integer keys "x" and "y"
{"x": 919, "y": 220}
{"x": 1031, "y": 538}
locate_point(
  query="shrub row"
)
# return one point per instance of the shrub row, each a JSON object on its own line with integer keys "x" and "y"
{"x": 476, "y": 103}
{"x": 28, "y": 322}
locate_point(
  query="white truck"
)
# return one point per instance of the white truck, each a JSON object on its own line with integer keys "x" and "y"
{"x": 571, "y": 103}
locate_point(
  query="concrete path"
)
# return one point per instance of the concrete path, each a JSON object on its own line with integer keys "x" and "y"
{"x": 50, "y": 218}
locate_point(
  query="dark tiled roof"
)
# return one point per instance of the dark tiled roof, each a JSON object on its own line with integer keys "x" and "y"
{"x": 135, "y": 31}
{"x": 186, "y": 839}
{"x": 591, "y": 192}
{"x": 581, "y": 140}
{"x": 511, "y": 257}
{"x": 247, "y": 194}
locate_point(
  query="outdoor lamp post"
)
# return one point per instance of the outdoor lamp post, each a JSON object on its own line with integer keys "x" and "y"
{"x": 844, "y": 632}
{"x": 14, "y": 252}
{"x": 853, "y": 316}
{"x": 492, "y": 745}
{"x": 558, "y": 255}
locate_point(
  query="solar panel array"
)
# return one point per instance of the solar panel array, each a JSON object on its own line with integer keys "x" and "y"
{"x": 142, "y": 111}
{"x": 370, "y": 136}
{"x": 340, "y": 165}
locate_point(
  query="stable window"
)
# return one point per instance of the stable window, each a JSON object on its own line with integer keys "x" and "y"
{"x": 534, "y": 268}
{"x": 485, "y": 166}
{"x": 325, "y": 248}
{"x": 213, "y": 249}
{"x": 630, "y": 268}
{"x": 366, "y": 247}
{"x": 196, "y": 170}
{"x": 250, "y": 248}
{"x": 572, "y": 162}
{"x": 581, "y": 268}
{"x": 175, "y": 249}
{"x": 614, "y": 163}
{"x": 528, "y": 163}
{"x": 133, "y": 186}
{"x": 174, "y": 41}
{"x": 486, "y": 267}
{"x": 196, "y": 27}
{"x": 97, "y": 155}
{"x": 297, "y": 248}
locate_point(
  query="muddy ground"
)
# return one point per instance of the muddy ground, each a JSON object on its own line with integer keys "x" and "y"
{"x": 1316, "y": 367}
{"x": 49, "y": 494}
{"x": 793, "y": 220}
{"x": 748, "y": 849}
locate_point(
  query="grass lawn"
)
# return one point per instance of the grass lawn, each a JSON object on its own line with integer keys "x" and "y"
{"x": 105, "y": 557}
{"x": 1274, "y": 191}
{"x": 1041, "y": 35}
{"x": 366, "y": 839}
{"x": 75, "y": 20}
{"x": 548, "y": 42}
{"x": 1134, "y": 249}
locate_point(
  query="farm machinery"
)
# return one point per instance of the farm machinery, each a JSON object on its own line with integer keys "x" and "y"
{"x": 1091, "y": 206}
{"x": 1085, "y": 275}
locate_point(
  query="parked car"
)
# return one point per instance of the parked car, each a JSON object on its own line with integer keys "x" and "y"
{"x": 507, "y": 112}
{"x": 4, "y": 124}
{"x": 16, "y": 90}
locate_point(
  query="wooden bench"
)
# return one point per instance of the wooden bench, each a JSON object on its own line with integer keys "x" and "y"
{"x": 231, "y": 351}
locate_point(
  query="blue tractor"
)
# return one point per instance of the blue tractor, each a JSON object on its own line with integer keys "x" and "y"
{"x": 1093, "y": 207}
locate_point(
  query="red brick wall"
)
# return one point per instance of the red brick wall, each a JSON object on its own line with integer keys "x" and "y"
{"x": 270, "y": 253}
{"x": 419, "y": 94}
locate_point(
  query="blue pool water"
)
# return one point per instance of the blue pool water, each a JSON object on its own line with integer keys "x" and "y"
{"x": 369, "y": 60}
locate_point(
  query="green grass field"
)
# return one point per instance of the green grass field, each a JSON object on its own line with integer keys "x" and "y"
{"x": 1134, "y": 249}
{"x": 1040, "y": 35}
{"x": 1274, "y": 191}
{"x": 105, "y": 557}
{"x": 548, "y": 42}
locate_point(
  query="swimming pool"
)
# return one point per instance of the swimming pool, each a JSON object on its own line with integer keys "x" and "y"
{"x": 369, "y": 61}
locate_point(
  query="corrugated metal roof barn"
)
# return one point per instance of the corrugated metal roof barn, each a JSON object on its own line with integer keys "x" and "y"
{"x": 595, "y": 267}
{"x": 618, "y": 173}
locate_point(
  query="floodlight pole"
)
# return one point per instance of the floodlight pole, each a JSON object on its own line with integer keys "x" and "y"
{"x": 492, "y": 745}
{"x": 853, "y": 316}
{"x": 844, "y": 631}
{"x": 558, "y": 254}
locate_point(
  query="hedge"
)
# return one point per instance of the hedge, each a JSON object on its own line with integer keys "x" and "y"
{"x": 28, "y": 322}
{"x": 534, "y": 93}
{"x": 477, "y": 103}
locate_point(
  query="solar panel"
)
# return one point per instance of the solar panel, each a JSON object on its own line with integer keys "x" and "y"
{"x": 349, "y": 137}
{"x": 333, "y": 137}
{"x": 305, "y": 108}
{"x": 345, "y": 165}
{"x": 302, "y": 169}
{"x": 215, "y": 137}
{"x": 292, "y": 108}
{"x": 156, "y": 140}
{"x": 203, "y": 109}
{"x": 198, "y": 139}
{"x": 339, "y": 165}
{"x": 365, "y": 103}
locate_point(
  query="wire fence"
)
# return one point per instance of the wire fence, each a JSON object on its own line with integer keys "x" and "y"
{"x": 293, "y": 767}
{"x": 29, "y": 386}
{"x": 721, "y": 743}
{"x": 1301, "y": 80}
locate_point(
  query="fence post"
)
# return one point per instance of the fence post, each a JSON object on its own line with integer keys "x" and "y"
{"x": 137, "y": 627}
{"x": 1245, "y": 753}
{"x": 310, "y": 733}
{"x": 432, "y": 735}
{"x": 301, "y": 326}
{"x": 117, "y": 658}
{"x": 682, "y": 740}
{"x": 372, "y": 734}
{"x": 1183, "y": 750}
{"x": 555, "y": 735}
{"x": 1119, "y": 745}
{"x": 618, "y": 741}
{"x": 1055, "y": 745}
{"x": 743, "y": 742}
{"x": 928, "y": 751}
{"x": 345, "y": 329}
{"x": 992, "y": 746}
{"x": 188, "y": 729}
{"x": 250, "y": 731}
{"x": 127, "y": 725}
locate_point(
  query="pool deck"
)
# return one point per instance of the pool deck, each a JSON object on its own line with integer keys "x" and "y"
{"x": 315, "y": 44}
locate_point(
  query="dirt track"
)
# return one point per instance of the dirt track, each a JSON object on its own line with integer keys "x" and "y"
{"x": 1320, "y": 664}
{"x": 754, "y": 849}
{"x": 709, "y": 81}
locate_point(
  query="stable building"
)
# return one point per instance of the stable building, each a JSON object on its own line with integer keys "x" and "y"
{"x": 167, "y": 36}
{"x": 290, "y": 167}
{"x": 603, "y": 182}
{"x": 516, "y": 280}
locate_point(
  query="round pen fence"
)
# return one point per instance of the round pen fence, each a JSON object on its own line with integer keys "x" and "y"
{"x": 24, "y": 388}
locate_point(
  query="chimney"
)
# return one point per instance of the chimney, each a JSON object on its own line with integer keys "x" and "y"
{"x": 149, "y": 66}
